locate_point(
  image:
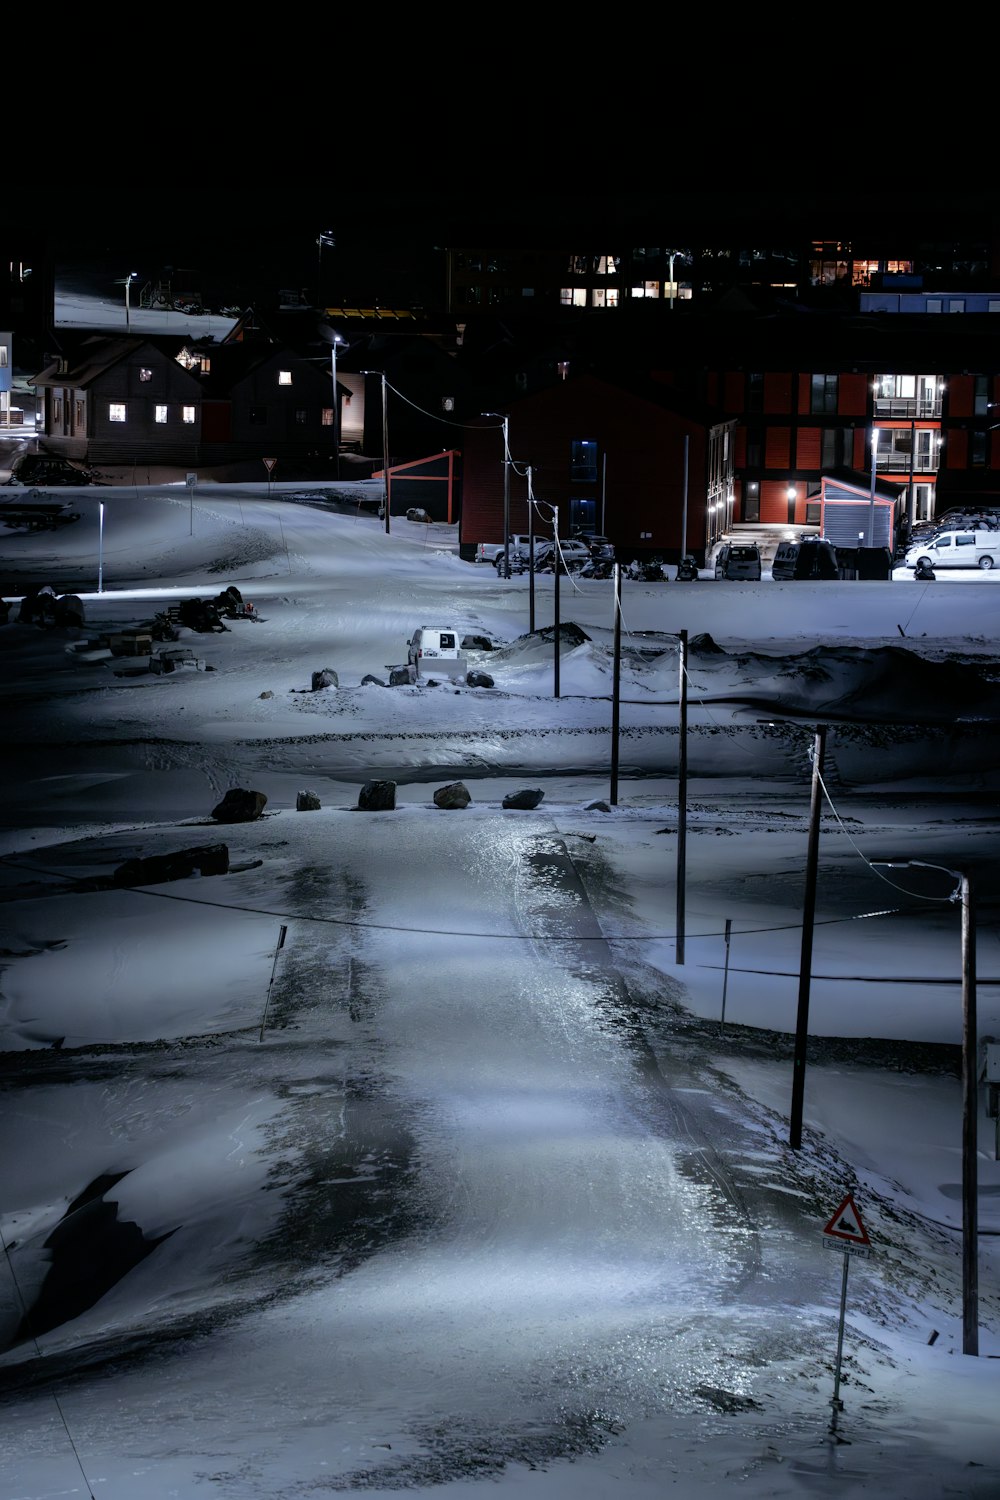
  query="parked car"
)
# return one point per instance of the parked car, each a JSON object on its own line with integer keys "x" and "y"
{"x": 957, "y": 549}
{"x": 736, "y": 560}
{"x": 600, "y": 546}
{"x": 46, "y": 468}
{"x": 516, "y": 542}
{"x": 808, "y": 557}
{"x": 572, "y": 556}
{"x": 434, "y": 650}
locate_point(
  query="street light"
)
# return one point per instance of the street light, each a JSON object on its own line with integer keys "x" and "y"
{"x": 326, "y": 241}
{"x": 385, "y": 440}
{"x": 871, "y": 492}
{"x": 336, "y": 403}
{"x": 791, "y": 495}
{"x": 128, "y": 280}
{"x": 970, "y": 1206}
{"x": 672, "y": 255}
{"x": 506, "y": 488}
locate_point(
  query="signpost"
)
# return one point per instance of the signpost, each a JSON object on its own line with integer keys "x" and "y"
{"x": 844, "y": 1231}
{"x": 269, "y": 464}
{"x": 191, "y": 480}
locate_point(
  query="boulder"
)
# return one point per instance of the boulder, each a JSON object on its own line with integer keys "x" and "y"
{"x": 324, "y": 679}
{"x": 416, "y": 514}
{"x": 599, "y": 806}
{"x": 307, "y": 801}
{"x": 399, "y": 677}
{"x": 377, "y": 796}
{"x": 68, "y": 610}
{"x": 455, "y": 794}
{"x": 369, "y": 678}
{"x": 210, "y": 859}
{"x": 478, "y": 679}
{"x": 476, "y": 643}
{"x": 239, "y": 806}
{"x": 527, "y": 799}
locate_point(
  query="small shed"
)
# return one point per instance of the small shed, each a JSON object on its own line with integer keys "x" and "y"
{"x": 852, "y": 515}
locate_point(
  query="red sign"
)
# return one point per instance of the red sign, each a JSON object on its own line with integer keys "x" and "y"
{"x": 846, "y": 1225}
{"x": 269, "y": 464}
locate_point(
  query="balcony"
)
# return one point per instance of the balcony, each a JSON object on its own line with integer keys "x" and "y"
{"x": 899, "y": 463}
{"x": 914, "y": 407}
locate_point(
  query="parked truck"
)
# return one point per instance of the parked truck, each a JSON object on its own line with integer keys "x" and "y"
{"x": 488, "y": 552}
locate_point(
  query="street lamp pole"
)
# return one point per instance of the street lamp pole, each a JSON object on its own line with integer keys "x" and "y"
{"x": 871, "y": 491}
{"x": 805, "y": 959}
{"x": 336, "y": 405}
{"x": 385, "y": 439}
{"x": 385, "y": 446}
{"x": 970, "y": 1115}
{"x": 128, "y": 285}
{"x": 325, "y": 240}
{"x": 506, "y": 488}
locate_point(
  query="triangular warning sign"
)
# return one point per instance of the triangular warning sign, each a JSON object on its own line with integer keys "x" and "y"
{"x": 846, "y": 1224}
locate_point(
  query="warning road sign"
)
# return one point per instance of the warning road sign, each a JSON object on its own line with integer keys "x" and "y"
{"x": 845, "y": 1227}
{"x": 269, "y": 464}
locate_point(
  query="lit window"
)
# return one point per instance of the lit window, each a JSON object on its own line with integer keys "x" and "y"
{"x": 3, "y": 356}
{"x": 116, "y": 411}
{"x": 145, "y": 374}
{"x": 328, "y": 416}
{"x": 159, "y": 413}
{"x": 284, "y": 377}
{"x": 187, "y": 413}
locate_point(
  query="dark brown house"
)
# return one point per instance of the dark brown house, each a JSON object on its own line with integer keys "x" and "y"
{"x": 630, "y": 461}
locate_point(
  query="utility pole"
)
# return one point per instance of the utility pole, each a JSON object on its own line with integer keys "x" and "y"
{"x": 616, "y": 686}
{"x": 531, "y": 554}
{"x": 505, "y": 420}
{"x": 970, "y": 1114}
{"x": 558, "y": 560}
{"x": 805, "y": 961}
{"x": 385, "y": 447}
{"x": 681, "y": 798}
{"x": 506, "y": 497}
{"x": 970, "y": 1121}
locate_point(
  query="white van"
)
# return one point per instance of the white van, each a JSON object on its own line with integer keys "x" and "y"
{"x": 957, "y": 549}
{"x": 738, "y": 560}
{"x": 436, "y": 651}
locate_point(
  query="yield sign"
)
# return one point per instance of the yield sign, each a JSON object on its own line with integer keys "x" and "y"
{"x": 269, "y": 464}
{"x": 846, "y": 1224}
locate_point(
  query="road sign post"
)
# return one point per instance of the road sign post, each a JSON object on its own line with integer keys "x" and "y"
{"x": 843, "y": 1231}
{"x": 269, "y": 464}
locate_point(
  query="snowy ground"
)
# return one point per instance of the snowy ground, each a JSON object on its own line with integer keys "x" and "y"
{"x": 434, "y": 1166}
